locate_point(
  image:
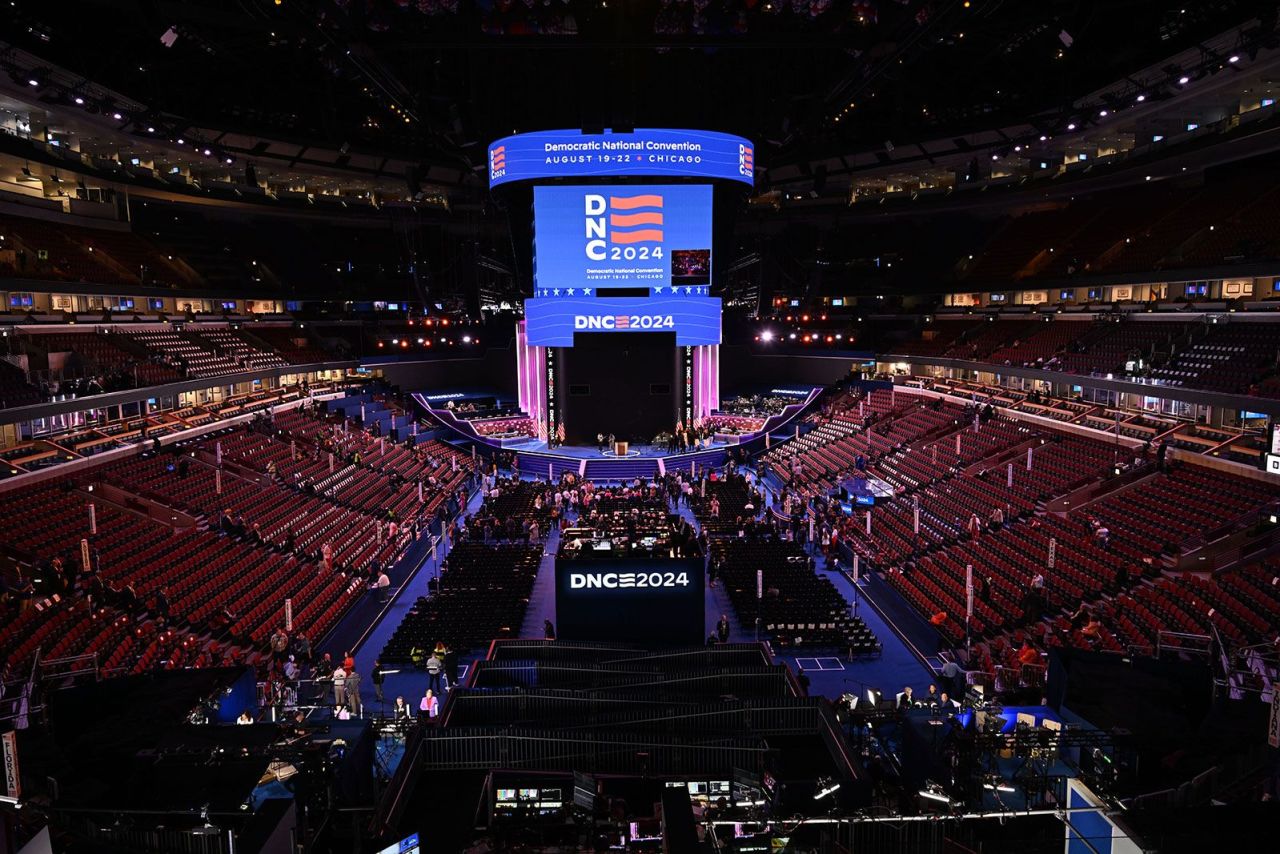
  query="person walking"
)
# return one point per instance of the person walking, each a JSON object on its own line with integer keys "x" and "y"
{"x": 376, "y": 677}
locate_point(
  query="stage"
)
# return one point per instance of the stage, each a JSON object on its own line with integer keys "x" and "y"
{"x": 644, "y": 460}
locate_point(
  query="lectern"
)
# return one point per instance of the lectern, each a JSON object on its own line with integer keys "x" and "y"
{"x": 620, "y": 448}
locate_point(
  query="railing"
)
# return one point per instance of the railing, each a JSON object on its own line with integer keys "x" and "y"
{"x": 1200, "y": 646}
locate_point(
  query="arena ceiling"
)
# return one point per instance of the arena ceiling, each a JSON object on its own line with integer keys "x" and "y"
{"x": 431, "y": 81}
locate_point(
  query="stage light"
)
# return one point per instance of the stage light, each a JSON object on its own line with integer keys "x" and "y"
{"x": 207, "y": 152}
{"x": 420, "y": 340}
{"x": 1071, "y": 126}
{"x": 1043, "y": 137}
{"x": 1102, "y": 113}
{"x": 33, "y": 82}
{"x": 792, "y": 336}
{"x": 466, "y": 339}
{"x": 1234, "y": 58}
{"x": 1141, "y": 98}
{"x": 395, "y": 341}
{"x": 826, "y": 788}
{"x": 873, "y": 697}
{"x": 79, "y": 101}
{"x": 1184, "y": 80}
{"x": 151, "y": 129}
{"x": 767, "y": 335}
{"x": 117, "y": 116}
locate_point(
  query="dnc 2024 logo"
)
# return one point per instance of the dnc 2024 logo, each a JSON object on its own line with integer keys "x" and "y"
{"x": 497, "y": 162}
{"x": 746, "y": 161}
{"x": 623, "y": 228}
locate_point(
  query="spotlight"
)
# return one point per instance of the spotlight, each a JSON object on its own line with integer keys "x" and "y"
{"x": 1141, "y": 98}
{"x": 1102, "y": 113}
{"x": 1184, "y": 80}
{"x": 117, "y": 116}
{"x": 33, "y": 82}
{"x": 1234, "y": 58}
{"x": 1071, "y": 126}
{"x": 767, "y": 335}
{"x": 79, "y": 101}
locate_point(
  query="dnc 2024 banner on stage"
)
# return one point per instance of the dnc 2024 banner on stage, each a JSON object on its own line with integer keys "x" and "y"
{"x": 552, "y": 321}
{"x": 645, "y": 153}
{"x": 594, "y": 238}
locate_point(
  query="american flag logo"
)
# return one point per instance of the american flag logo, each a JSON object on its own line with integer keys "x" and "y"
{"x": 746, "y": 160}
{"x": 498, "y": 159}
{"x": 635, "y": 219}
{"x": 622, "y": 321}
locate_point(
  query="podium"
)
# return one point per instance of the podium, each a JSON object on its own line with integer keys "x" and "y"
{"x": 620, "y": 448}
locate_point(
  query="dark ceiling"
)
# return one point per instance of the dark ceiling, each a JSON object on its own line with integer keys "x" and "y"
{"x": 440, "y": 78}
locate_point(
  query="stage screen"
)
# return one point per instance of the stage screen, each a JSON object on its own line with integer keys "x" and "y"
{"x": 648, "y": 602}
{"x": 644, "y": 152}
{"x": 557, "y": 322}
{"x": 628, "y": 386}
{"x": 589, "y": 239}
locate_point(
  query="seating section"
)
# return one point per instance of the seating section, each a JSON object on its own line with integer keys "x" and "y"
{"x": 482, "y": 596}
{"x": 1230, "y": 357}
{"x": 185, "y": 354}
{"x": 276, "y": 525}
{"x": 799, "y": 607}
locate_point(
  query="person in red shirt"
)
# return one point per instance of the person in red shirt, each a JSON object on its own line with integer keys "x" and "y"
{"x": 1028, "y": 654}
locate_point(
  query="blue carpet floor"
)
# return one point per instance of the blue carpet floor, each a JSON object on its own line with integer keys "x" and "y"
{"x": 830, "y": 672}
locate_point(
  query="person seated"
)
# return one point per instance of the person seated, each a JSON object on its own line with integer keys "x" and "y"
{"x": 1092, "y": 629}
{"x": 905, "y": 699}
{"x": 246, "y": 718}
{"x": 1028, "y": 654}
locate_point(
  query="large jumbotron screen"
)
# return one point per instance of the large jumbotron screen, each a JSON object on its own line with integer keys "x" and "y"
{"x": 625, "y": 258}
{"x": 591, "y": 238}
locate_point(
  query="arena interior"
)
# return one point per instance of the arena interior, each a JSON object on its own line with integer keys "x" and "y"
{"x": 841, "y": 426}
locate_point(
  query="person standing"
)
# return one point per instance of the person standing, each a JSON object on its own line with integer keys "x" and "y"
{"x": 548, "y": 630}
{"x": 377, "y": 678}
{"x": 430, "y": 706}
{"x": 435, "y": 671}
{"x": 339, "y": 686}
{"x": 279, "y": 646}
{"x": 722, "y": 629}
{"x": 352, "y": 689}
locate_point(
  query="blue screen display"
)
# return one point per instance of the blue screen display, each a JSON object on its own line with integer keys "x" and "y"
{"x": 647, "y": 152}
{"x": 600, "y": 237}
{"x": 551, "y": 322}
